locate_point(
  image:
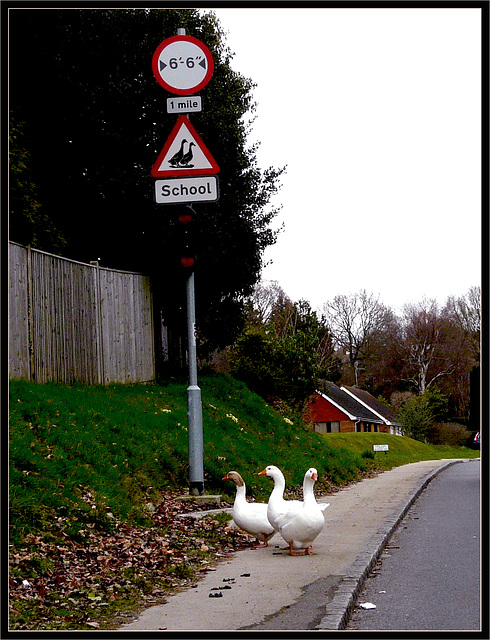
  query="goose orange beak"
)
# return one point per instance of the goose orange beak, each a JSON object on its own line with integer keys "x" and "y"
{"x": 225, "y": 478}
{"x": 314, "y": 476}
{"x": 262, "y": 473}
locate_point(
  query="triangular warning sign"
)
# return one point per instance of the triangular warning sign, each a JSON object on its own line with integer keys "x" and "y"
{"x": 184, "y": 153}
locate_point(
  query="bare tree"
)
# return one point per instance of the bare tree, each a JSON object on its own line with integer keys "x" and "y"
{"x": 263, "y": 301}
{"x": 426, "y": 336}
{"x": 284, "y": 316}
{"x": 466, "y": 312}
{"x": 356, "y": 322}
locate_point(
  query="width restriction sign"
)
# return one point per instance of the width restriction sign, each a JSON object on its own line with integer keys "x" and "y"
{"x": 182, "y": 65}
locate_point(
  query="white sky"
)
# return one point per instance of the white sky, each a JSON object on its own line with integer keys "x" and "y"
{"x": 377, "y": 115}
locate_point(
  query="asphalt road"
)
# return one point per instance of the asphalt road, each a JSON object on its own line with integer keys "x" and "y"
{"x": 428, "y": 577}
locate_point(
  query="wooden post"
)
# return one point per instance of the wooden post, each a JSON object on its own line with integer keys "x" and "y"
{"x": 30, "y": 329}
{"x": 98, "y": 338}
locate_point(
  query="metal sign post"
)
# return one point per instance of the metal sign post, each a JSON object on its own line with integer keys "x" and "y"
{"x": 194, "y": 404}
{"x": 183, "y": 65}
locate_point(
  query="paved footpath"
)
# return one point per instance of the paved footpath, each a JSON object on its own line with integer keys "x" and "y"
{"x": 271, "y": 590}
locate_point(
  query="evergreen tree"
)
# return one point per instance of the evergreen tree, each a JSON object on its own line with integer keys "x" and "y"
{"x": 286, "y": 349}
{"x": 95, "y": 121}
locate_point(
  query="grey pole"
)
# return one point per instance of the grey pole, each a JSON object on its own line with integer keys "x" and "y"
{"x": 194, "y": 404}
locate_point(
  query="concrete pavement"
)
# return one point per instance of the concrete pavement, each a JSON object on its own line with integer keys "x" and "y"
{"x": 266, "y": 589}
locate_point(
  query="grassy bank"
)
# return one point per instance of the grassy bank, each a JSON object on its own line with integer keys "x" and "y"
{"x": 87, "y": 462}
{"x": 124, "y": 444}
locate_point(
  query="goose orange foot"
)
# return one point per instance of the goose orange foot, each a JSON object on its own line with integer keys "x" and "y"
{"x": 306, "y": 552}
{"x": 309, "y": 552}
{"x": 260, "y": 545}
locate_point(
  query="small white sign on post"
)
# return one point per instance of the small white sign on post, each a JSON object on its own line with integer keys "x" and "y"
{"x": 381, "y": 447}
{"x": 187, "y": 104}
{"x": 181, "y": 190}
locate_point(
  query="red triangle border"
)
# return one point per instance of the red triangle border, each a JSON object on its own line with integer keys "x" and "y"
{"x": 156, "y": 173}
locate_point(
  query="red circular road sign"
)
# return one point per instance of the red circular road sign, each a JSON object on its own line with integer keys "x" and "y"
{"x": 183, "y": 65}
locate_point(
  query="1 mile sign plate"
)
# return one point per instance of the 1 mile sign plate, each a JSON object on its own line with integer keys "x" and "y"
{"x": 182, "y": 65}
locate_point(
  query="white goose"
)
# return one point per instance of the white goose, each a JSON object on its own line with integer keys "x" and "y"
{"x": 299, "y": 527}
{"x": 251, "y": 517}
{"x": 277, "y": 505}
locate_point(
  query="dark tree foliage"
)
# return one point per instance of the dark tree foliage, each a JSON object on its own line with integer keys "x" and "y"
{"x": 29, "y": 223}
{"x": 285, "y": 356}
{"x": 94, "y": 121}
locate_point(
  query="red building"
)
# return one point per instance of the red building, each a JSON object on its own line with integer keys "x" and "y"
{"x": 347, "y": 409}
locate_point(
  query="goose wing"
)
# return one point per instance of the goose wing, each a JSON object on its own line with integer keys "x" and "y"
{"x": 251, "y": 517}
{"x": 285, "y": 509}
{"x": 302, "y": 527}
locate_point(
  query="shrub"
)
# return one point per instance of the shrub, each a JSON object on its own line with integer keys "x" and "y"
{"x": 276, "y": 368}
{"x": 368, "y": 455}
{"x": 416, "y": 418}
{"x": 449, "y": 433}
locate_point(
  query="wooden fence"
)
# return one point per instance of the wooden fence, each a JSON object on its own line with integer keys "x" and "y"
{"x": 74, "y": 322}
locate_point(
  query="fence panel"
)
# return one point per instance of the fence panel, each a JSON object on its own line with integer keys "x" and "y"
{"x": 126, "y": 320}
{"x": 63, "y": 319}
{"x": 74, "y": 322}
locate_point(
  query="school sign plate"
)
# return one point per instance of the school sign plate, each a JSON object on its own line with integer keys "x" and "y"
{"x": 179, "y": 190}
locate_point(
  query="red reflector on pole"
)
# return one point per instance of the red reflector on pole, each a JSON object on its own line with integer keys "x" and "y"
{"x": 187, "y": 262}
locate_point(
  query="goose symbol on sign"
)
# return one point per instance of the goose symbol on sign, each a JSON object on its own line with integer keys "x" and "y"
{"x": 184, "y": 153}
{"x": 181, "y": 159}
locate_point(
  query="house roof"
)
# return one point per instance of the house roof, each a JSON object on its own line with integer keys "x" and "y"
{"x": 349, "y": 405}
{"x": 369, "y": 401}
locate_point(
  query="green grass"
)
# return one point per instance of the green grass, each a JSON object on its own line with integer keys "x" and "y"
{"x": 401, "y": 450}
{"x": 77, "y": 453}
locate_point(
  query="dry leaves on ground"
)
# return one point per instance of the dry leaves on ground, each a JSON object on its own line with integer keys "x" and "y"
{"x": 62, "y": 583}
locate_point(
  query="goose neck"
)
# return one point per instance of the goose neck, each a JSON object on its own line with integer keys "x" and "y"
{"x": 308, "y": 493}
{"x": 240, "y": 493}
{"x": 279, "y": 485}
